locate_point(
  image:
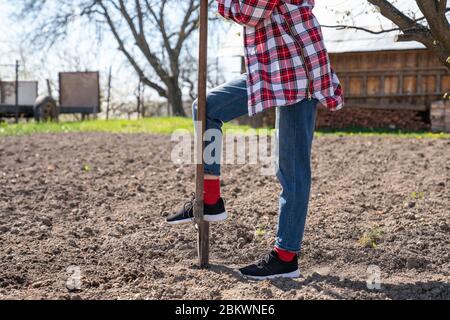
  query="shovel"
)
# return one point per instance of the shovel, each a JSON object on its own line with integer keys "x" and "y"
{"x": 201, "y": 225}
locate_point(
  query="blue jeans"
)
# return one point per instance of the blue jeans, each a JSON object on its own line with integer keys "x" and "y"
{"x": 295, "y": 133}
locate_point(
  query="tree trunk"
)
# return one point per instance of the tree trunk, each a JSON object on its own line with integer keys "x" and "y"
{"x": 176, "y": 101}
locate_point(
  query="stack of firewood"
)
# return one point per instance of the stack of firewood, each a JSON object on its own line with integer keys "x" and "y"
{"x": 372, "y": 119}
{"x": 365, "y": 118}
{"x": 440, "y": 116}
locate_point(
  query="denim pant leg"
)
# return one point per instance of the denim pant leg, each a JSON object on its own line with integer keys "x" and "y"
{"x": 224, "y": 103}
{"x": 295, "y": 126}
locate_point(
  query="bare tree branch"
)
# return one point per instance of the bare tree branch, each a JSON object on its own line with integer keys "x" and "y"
{"x": 433, "y": 33}
{"x": 136, "y": 25}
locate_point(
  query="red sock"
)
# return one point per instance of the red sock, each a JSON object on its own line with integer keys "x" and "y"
{"x": 284, "y": 255}
{"x": 211, "y": 192}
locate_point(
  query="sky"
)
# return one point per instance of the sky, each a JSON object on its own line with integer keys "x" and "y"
{"x": 80, "y": 51}
{"x": 86, "y": 53}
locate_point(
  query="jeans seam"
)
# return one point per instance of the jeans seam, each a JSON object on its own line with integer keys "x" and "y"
{"x": 295, "y": 167}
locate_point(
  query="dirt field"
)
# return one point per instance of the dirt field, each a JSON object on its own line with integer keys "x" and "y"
{"x": 98, "y": 202}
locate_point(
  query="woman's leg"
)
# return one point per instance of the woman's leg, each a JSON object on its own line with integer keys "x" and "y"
{"x": 295, "y": 126}
{"x": 224, "y": 103}
{"x": 295, "y": 132}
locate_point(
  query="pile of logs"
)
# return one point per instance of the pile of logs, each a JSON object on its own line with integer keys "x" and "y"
{"x": 440, "y": 116}
{"x": 372, "y": 119}
{"x": 357, "y": 117}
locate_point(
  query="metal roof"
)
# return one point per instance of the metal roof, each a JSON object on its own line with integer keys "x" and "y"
{"x": 232, "y": 44}
{"x": 337, "y": 41}
{"x": 351, "y": 40}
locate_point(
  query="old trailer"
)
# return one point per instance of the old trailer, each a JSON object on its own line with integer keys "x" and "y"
{"x": 27, "y": 96}
{"x": 79, "y": 93}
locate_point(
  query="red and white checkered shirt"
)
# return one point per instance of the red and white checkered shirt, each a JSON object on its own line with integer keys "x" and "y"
{"x": 284, "y": 51}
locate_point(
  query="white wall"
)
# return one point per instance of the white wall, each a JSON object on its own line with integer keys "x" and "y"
{"x": 27, "y": 93}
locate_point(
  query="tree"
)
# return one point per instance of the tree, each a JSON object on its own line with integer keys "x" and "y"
{"x": 431, "y": 29}
{"x": 136, "y": 26}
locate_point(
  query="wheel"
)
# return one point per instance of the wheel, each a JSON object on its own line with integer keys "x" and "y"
{"x": 45, "y": 109}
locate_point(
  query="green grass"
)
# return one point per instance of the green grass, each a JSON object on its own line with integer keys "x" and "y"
{"x": 168, "y": 125}
{"x": 371, "y": 238}
{"x": 383, "y": 133}
{"x": 148, "y": 125}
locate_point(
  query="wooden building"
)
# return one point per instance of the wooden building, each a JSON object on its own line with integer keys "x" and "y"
{"x": 399, "y": 81}
{"x": 403, "y": 79}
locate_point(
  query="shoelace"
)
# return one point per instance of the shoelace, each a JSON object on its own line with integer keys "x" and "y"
{"x": 189, "y": 204}
{"x": 264, "y": 260}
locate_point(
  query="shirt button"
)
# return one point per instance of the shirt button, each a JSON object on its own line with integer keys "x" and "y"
{"x": 252, "y": 51}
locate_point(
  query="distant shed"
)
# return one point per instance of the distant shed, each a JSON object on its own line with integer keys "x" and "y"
{"x": 377, "y": 72}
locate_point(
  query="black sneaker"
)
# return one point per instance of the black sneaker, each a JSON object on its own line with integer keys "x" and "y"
{"x": 271, "y": 267}
{"x": 212, "y": 213}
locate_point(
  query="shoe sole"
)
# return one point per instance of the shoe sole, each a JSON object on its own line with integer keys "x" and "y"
{"x": 290, "y": 275}
{"x": 217, "y": 217}
{"x": 208, "y": 218}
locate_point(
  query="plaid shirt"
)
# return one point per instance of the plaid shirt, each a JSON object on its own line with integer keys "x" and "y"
{"x": 285, "y": 53}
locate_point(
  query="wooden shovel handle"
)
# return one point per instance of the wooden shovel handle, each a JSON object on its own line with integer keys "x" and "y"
{"x": 203, "y": 227}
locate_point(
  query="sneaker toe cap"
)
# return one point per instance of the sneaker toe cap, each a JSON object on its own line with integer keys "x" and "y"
{"x": 248, "y": 270}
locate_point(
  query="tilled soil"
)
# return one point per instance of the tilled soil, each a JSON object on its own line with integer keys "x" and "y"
{"x": 97, "y": 202}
